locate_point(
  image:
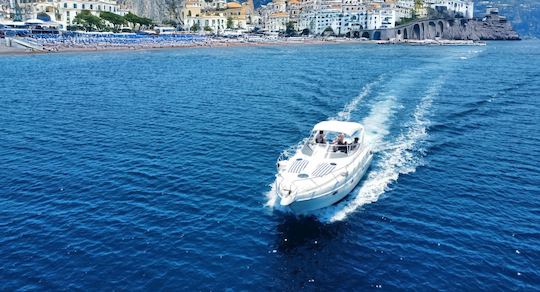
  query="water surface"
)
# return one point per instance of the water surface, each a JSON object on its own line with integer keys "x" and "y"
{"x": 152, "y": 170}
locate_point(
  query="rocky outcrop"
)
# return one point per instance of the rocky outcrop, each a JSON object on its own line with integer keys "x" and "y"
{"x": 524, "y": 14}
{"x": 491, "y": 27}
{"x": 486, "y": 29}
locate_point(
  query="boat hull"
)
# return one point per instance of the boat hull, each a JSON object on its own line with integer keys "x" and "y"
{"x": 305, "y": 206}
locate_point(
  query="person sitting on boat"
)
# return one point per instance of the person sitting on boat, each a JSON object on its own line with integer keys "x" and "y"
{"x": 354, "y": 144}
{"x": 320, "y": 139}
{"x": 342, "y": 144}
{"x": 340, "y": 139}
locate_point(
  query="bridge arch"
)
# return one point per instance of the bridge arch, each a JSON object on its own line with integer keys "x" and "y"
{"x": 416, "y": 32}
{"x": 405, "y": 34}
{"x": 441, "y": 28}
{"x": 377, "y": 35}
{"x": 432, "y": 29}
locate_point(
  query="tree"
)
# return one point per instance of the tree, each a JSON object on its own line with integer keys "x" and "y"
{"x": 115, "y": 19}
{"x": 141, "y": 21}
{"x": 328, "y": 31}
{"x": 171, "y": 22}
{"x": 146, "y": 21}
{"x": 207, "y": 28}
{"x": 230, "y": 23}
{"x": 195, "y": 27}
{"x": 132, "y": 18}
{"x": 88, "y": 21}
{"x": 289, "y": 29}
{"x": 418, "y": 6}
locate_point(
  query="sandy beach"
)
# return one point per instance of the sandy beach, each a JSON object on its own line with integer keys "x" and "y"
{"x": 98, "y": 44}
{"x": 4, "y": 50}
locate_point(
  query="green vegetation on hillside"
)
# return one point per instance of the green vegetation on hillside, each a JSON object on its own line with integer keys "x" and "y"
{"x": 108, "y": 21}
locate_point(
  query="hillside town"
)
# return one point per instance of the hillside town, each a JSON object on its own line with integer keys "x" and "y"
{"x": 315, "y": 17}
{"x": 67, "y": 25}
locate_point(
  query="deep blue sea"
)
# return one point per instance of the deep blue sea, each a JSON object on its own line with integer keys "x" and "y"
{"x": 152, "y": 170}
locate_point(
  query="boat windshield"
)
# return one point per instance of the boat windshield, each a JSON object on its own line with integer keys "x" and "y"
{"x": 333, "y": 144}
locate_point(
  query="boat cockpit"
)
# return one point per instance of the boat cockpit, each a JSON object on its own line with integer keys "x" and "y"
{"x": 332, "y": 144}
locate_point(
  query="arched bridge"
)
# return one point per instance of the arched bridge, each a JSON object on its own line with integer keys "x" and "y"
{"x": 416, "y": 30}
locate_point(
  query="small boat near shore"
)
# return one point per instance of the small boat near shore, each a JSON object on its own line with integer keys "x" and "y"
{"x": 325, "y": 168}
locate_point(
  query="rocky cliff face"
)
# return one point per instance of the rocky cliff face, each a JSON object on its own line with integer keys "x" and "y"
{"x": 491, "y": 27}
{"x": 158, "y": 10}
{"x": 488, "y": 29}
{"x": 524, "y": 14}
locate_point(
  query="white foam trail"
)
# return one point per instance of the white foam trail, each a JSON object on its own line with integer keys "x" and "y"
{"x": 271, "y": 196}
{"x": 349, "y": 108}
{"x": 401, "y": 157}
{"x": 376, "y": 123}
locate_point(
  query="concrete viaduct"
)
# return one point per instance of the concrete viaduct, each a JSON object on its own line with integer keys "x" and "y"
{"x": 417, "y": 30}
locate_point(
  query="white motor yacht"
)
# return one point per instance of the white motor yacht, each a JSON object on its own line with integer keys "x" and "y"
{"x": 325, "y": 168}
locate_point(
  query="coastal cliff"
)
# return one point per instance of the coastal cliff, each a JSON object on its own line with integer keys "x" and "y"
{"x": 524, "y": 14}
{"x": 490, "y": 27}
{"x": 158, "y": 10}
{"x": 486, "y": 29}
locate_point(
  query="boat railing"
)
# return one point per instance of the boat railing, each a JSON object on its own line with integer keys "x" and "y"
{"x": 334, "y": 148}
{"x": 308, "y": 145}
{"x": 289, "y": 152}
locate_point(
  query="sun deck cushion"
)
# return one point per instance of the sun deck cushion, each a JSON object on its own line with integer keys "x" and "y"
{"x": 298, "y": 166}
{"x": 323, "y": 169}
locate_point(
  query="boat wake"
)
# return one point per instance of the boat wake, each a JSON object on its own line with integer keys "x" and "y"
{"x": 399, "y": 157}
{"x": 398, "y": 151}
{"x": 349, "y": 108}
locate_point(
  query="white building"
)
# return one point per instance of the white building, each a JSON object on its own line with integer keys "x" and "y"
{"x": 64, "y": 11}
{"x": 463, "y": 7}
{"x": 274, "y": 16}
{"x": 404, "y": 9}
{"x": 344, "y": 22}
{"x": 217, "y": 16}
{"x": 5, "y": 11}
{"x": 343, "y": 16}
{"x": 277, "y": 22}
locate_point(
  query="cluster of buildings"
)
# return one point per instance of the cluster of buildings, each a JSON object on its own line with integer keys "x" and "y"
{"x": 315, "y": 16}
{"x": 218, "y": 15}
{"x": 221, "y": 16}
{"x": 60, "y": 12}
{"x": 345, "y": 16}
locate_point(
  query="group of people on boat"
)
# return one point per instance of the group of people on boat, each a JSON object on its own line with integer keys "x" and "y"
{"x": 339, "y": 141}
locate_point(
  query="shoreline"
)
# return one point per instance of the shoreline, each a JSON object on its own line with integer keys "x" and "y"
{"x": 224, "y": 43}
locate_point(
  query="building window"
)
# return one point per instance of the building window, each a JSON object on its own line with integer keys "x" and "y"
{"x": 75, "y": 5}
{"x": 65, "y": 5}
